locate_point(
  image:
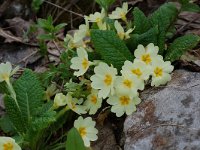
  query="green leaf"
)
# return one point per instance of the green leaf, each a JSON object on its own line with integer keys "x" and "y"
{"x": 148, "y": 37}
{"x": 45, "y": 37}
{"x": 112, "y": 49}
{"x": 15, "y": 114}
{"x": 60, "y": 26}
{"x": 184, "y": 1}
{"x": 74, "y": 141}
{"x": 190, "y": 7}
{"x": 36, "y": 4}
{"x": 29, "y": 95}
{"x": 141, "y": 22}
{"x": 6, "y": 124}
{"x": 44, "y": 117}
{"x": 164, "y": 18}
{"x": 105, "y": 3}
{"x": 180, "y": 46}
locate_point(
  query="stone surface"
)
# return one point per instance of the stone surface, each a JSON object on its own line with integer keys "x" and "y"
{"x": 106, "y": 138}
{"x": 169, "y": 116}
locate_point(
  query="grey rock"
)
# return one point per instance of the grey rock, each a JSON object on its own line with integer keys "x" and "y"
{"x": 169, "y": 116}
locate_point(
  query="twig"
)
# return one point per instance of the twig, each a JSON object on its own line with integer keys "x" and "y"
{"x": 64, "y": 9}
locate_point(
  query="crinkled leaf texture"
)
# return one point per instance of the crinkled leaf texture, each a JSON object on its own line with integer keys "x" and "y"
{"x": 141, "y": 22}
{"x": 180, "y": 46}
{"x": 148, "y": 37}
{"x": 164, "y": 18}
{"x": 74, "y": 140}
{"x": 111, "y": 48}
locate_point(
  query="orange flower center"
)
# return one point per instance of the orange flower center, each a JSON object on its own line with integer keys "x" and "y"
{"x": 8, "y": 146}
{"x": 94, "y": 99}
{"x": 124, "y": 100}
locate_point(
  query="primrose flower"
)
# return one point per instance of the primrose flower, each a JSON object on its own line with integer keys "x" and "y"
{"x": 123, "y": 104}
{"x": 50, "y": 91}
{"x": 120, "y": 31}
{"x": 80, "y": 63}
{"x": 85, "y": 28}
{"x": 103, "y": 80}
{"x": 127, "y": 85}
{"x": 7, "y": 143}
{"x": 76, "y": 40}
{"x": 97, "y": 17}
{"x": 138, "y": 68}
{"x": 93, "y": 103}
{"x": 87, "y": 130}
{"x": 74, "y": 104}
{"x": 60, "y": 100}
{"x": 161, "y": 72}
{"x": 147, "y": 54}
{"x": 120, "y": 13}
{"x": 5, "y": 71}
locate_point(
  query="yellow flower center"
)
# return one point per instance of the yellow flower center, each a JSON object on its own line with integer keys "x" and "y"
{"x": 121, "y": 35}
{"x": 82, "y": 131}
{"x": 127, "y": 83}
{"x": 94, "y": 99}
{"x": 158, "y": 72}
{"x": 73, "y": 106}
{"x": 85, "y": 63}
{"x": 98, "y": 20}
{"x": 124, "y": 100}
{"x": 146, "y": 58}
{"x": 137, "y": 72}
{"x": 8, "y": 146}
{"x": 5, "y": 76}
{"x": 123, "y": 16}
{"x": 108, "y": 79}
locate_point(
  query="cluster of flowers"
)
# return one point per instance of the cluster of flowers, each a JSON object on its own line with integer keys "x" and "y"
{"x": 120, "y": 90}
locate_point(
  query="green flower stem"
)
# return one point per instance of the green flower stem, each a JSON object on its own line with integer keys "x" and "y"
{"x": 62, "y": 112}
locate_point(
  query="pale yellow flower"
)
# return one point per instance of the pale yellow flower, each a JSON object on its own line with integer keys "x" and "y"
{"x": 60, "y": 100}
{"x": 120, "y": 31}
{"x": 138, "y": 69}
{"x": 7, "y": 143}
{"x": 74, "y": 104}
{"x": 120, "y": 13}
{"x": 81, "y": 62}
{"x": 93, "y": 103}
{"x": 5, "y": 71}
{"x": 161, "y": 72}
{"x": 127, "y": 85}
{"x": 147, "y": 54}
{"x": 87, "y": 130}
{"x": 123, "y": 104}
{"x": 103, "y": 80}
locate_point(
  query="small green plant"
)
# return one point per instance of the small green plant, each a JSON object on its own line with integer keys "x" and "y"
{"x": 108, "y": 59}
